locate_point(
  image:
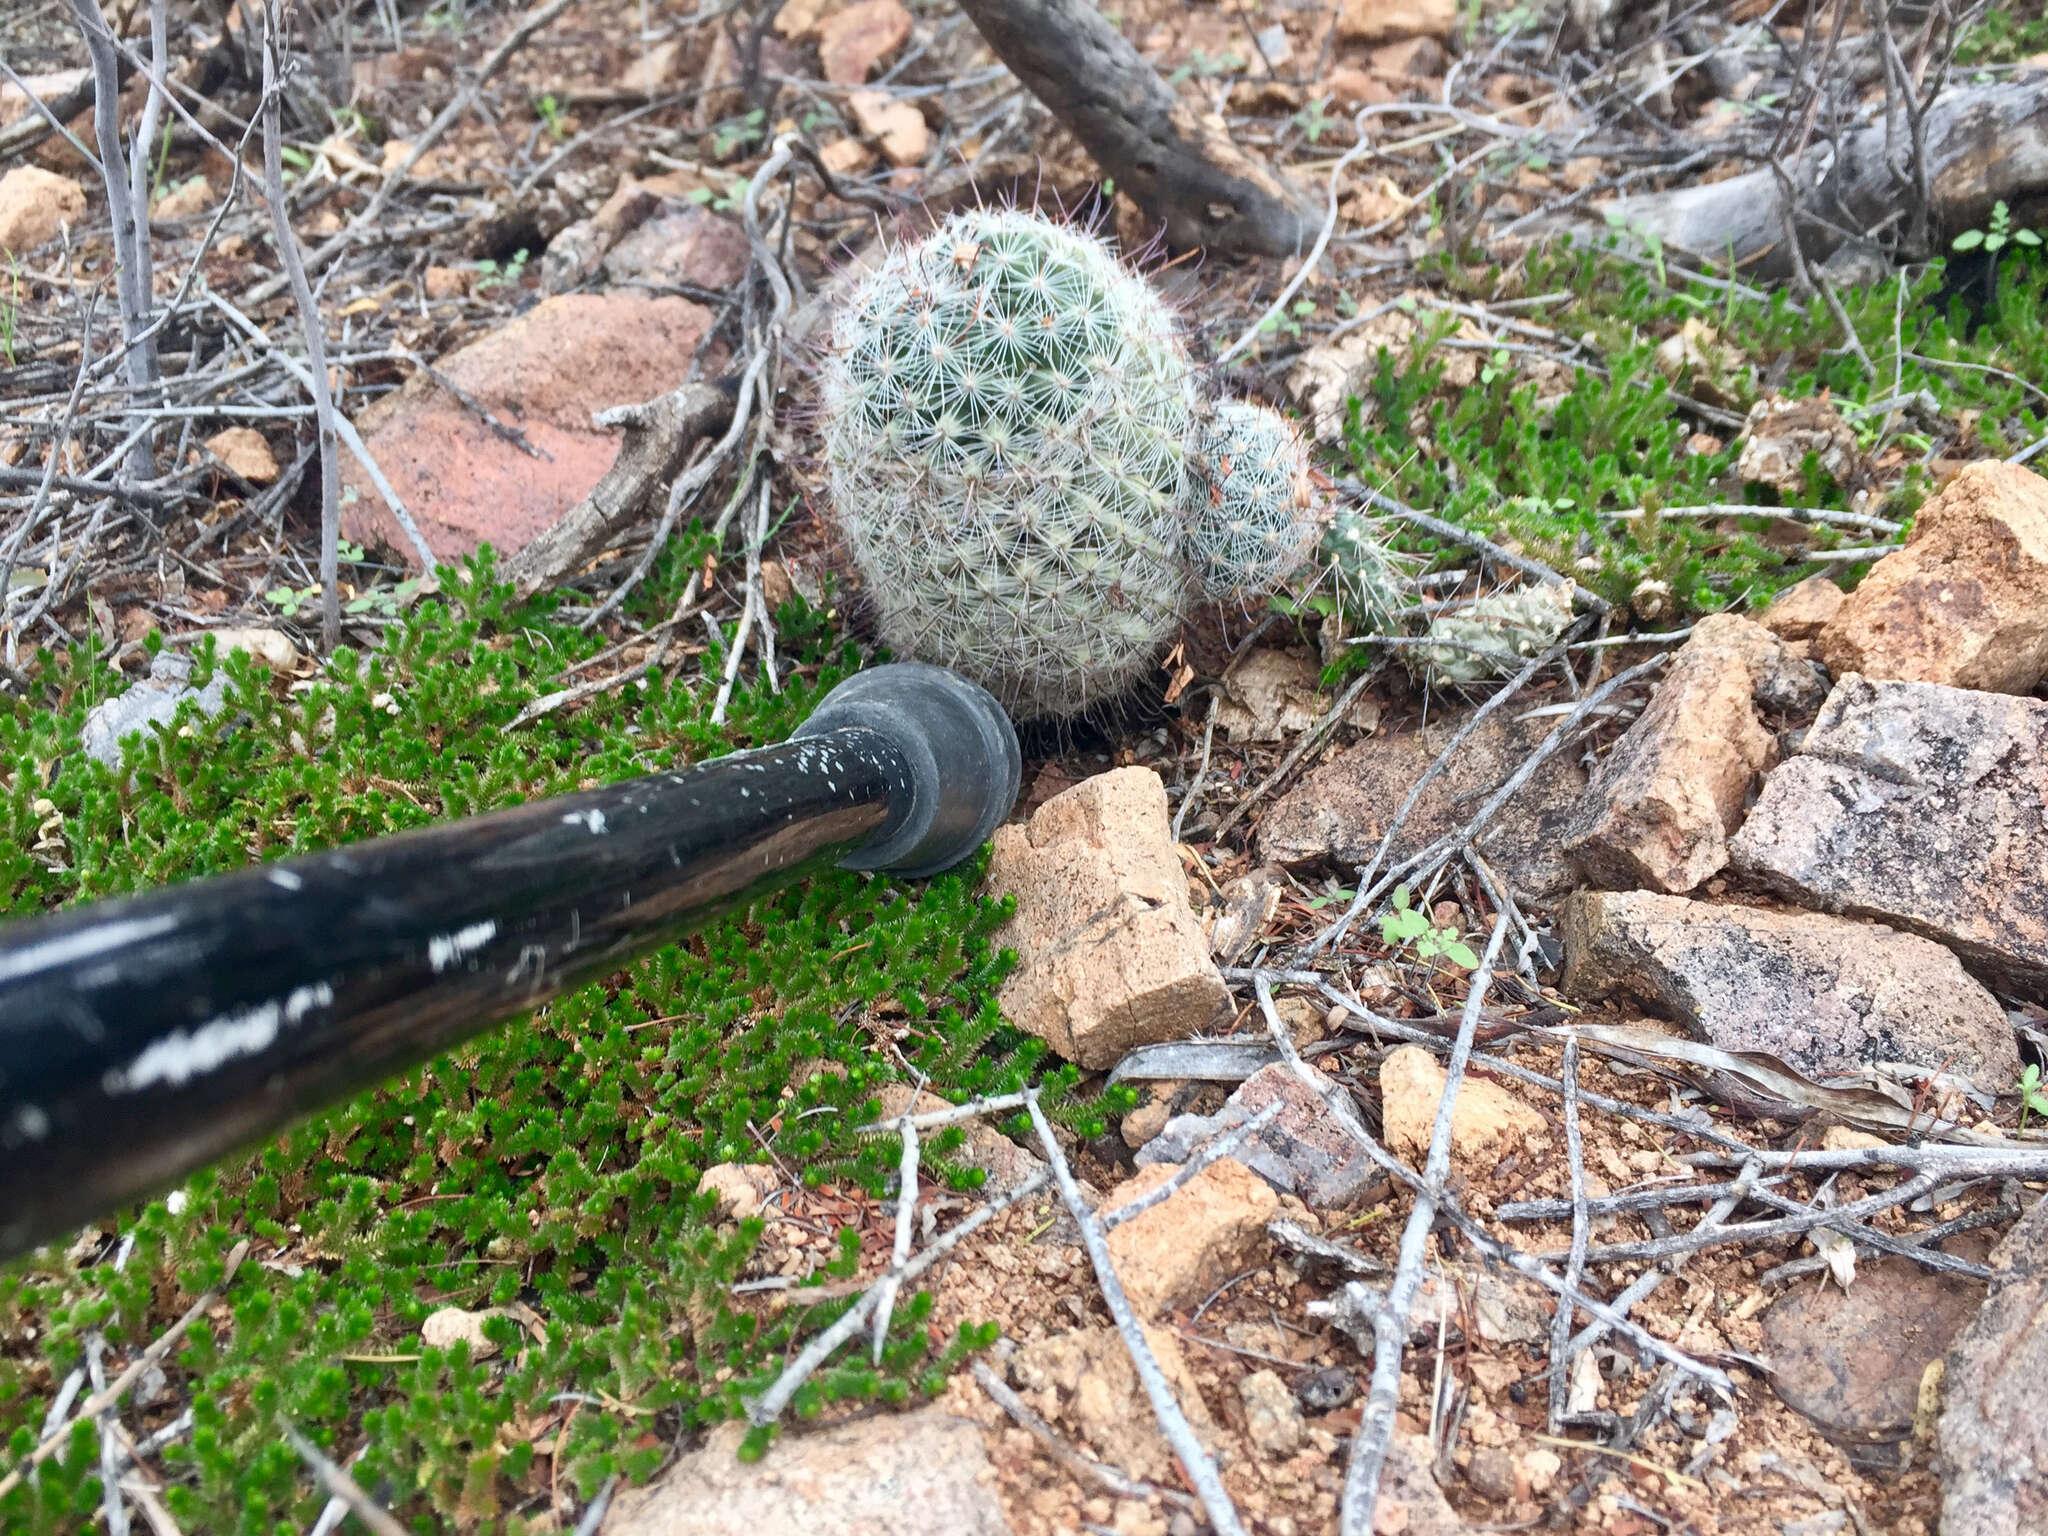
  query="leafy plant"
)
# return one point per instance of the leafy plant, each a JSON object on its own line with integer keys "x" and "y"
{"x": 550, "y": 111}
{"x": 493, "y": 274}
{"x": 2033, "y": 1095}
{"x": 291, "y": 601}
{"x": 385, "y": 602}
{"x": 1314, "y": 120}
{"x": 738, "y": 133}
{"x": 1406, "y": 926}
{"x": 1997, "y": 232}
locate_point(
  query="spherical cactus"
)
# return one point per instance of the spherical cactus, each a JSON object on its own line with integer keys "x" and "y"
{"x": 1493, "y": 637}
{"x": 1249, "y": 500}
{"x": 1006, "y": 411}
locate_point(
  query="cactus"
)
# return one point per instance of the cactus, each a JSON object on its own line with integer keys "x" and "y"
{"x": 1006, "y": 410}
{"x": 1491, "y": 638}
{"x": 1370, "y": 577}
{"x": 1249, "y": 492}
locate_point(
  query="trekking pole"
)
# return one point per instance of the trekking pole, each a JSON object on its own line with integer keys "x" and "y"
{"x": 143, "y": 1037}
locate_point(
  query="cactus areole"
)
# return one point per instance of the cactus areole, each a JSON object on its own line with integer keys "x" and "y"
{"x": 1006, "y": 417}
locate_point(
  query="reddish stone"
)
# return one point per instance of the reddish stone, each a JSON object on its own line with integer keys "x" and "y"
{"x": 856, "y": 39}
{"x": 544, "y": 374}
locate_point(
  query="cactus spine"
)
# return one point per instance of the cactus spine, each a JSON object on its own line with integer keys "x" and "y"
{"x": 1006, "y": 417}
{"x": 1248, "y": 527}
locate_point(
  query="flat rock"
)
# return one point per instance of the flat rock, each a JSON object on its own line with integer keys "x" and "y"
{"x": 1965, "y": 603}
{"x": 1303, "y": 1153}
{"x": 1083, "y": 1381}
{"x": 740, "y": 1188}
{"x": 681, "y": 248}
{"x": 1669, "y": 795}
{"x": 1802, "y": 610}
{"x": 853, "y": 41}
{"x": 894, "y": 124}
{"x": 1823, "y": 994}
{"x": 1272, "y": 1418}
{"x": 908, "y": 1474}
{"x": 543, "y": 374}
{"x": 1411, "y": 1503}
{"x": 246, "y": 452}
{"x": 272, "y": 647}
{"x": 1180, "y": 1250}
{"x": 1924, "y": 807}
{"x": 1380, "y": 21}
{"x": 1339, "y": 812}
{"x": 1110, "y": 953}
{"x": 1851, "y": 1361}
{"x": 1487, "y": 1121}
{"x": 1993, "y": 1431}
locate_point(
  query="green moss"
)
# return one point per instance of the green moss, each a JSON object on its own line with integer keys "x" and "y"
{"x": 552, "y": 1162}
{"x": 1551, "y": 476}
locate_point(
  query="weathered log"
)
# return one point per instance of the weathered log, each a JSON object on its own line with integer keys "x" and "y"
{"x": 658, "y": 437}
{"x": 1180, "y": 165}
{"x": 1984, "y": 144}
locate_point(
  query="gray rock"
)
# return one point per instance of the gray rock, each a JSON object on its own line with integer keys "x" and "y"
{"x": 1339, "y": 812}
{"x": 1993, "y": 1431}
{"x": 1823, "y": 994}
{"x": 912, "y": 1474}
{"x": 1302, "y": 1153}
{"x": 152, "y": 701}
{"x": 1923, "y": 806}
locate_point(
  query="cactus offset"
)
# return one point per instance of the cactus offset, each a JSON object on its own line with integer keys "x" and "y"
{"x": 1491, "y": 638}
{"x": 1371, "y": 578}
{"x": 1250, "y": 495}
{"x": 1006, "y": 409}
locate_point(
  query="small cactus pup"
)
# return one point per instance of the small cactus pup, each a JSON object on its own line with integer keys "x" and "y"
{"x": 1370, "y": 578}
{"x": 1250, "y": 501}
{"x": 1492, "y": 638}
{"x": 1005, "y": 413}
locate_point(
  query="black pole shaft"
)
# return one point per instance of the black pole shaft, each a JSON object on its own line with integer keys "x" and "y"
{"x": 143, "y": 1037}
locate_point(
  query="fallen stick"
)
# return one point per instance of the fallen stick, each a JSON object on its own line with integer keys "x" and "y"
{"x": 1200, "y": 1469}
{"x": 1178, "y": 164}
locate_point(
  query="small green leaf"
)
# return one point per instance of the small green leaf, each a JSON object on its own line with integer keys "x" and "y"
{"x": 1462, "y": 953}
{"x": 1969, "y": 240}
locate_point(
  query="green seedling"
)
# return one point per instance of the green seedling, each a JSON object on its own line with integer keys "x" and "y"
{"x": 2033, "y": 1096}
{"x": 1406, "y": 926}
{"x": 501, "y": 274}
{"x": 1314, "y": 120}
{"x": 1998, "y": 232}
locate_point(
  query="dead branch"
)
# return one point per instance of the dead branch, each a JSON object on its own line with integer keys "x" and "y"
{"x": 659, "y": 436}
{"x": 1983, "y": 144}
{"x": 309, "y": 319}
{"x": 131, "y": 226}
{"x": 1180, "y": 166}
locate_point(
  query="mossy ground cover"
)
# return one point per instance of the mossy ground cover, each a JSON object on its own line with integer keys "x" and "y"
{"x": 1954, "y": 358}
{"x": 549, "y": 1167}
{"x": 552, "y": 1162}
